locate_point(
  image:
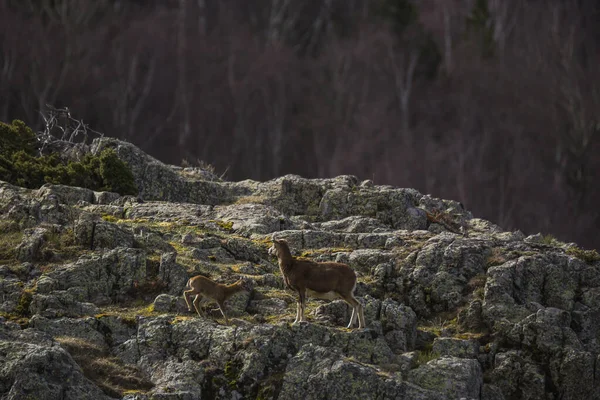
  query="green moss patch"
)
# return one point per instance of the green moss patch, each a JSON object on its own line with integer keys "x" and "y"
{"x": 589, "y": 256}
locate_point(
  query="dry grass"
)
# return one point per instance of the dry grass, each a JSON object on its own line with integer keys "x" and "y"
{"x": 128, "y": 314}
{"x": 478, "y": 281}
{"x": 325, "y": 250}
{"x": 10, "y": 238}
{"x": 425, "y": 356}
{"x": 251, "y": 200}
{"x": 497, "y": 257}
{"x": 109, "y": 373}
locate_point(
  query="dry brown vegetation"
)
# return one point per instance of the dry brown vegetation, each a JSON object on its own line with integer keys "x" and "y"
{"x": 110, "y": 374}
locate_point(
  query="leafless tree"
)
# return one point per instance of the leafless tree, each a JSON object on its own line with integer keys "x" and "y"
{"x": 183, "y": 83}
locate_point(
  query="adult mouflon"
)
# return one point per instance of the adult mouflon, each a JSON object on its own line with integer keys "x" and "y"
{"x": 325, "y": 280}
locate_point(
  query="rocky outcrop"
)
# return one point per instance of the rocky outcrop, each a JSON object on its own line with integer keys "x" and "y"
{"x": 35, "y": 366}
{"x": 91, "y": 299}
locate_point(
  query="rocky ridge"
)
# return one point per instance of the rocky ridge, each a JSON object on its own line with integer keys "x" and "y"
{"x": 91, "y": 303}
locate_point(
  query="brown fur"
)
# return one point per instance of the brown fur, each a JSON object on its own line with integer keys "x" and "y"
{"x": 202, "y": 286}
{"x": 326, "y": 280}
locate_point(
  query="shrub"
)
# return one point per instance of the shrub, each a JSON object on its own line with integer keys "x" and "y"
{"x": 20, "y": 166}
{"x": 116, "y": 177}
{"x": 15, "y": 137}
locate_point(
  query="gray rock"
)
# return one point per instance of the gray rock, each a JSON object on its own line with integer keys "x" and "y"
{"x": 516, "y": 376}
{"x": 353, "y": 224}
{"x": 491, "y": 392}
{"x": 11, "y": 290}
{"x": 99, "y": 279}
{"x": 105, "y": 197}
{"x": 157, "y": 181}
{"x": 166, "y": 303}
{"x": 455, "y": 347}
{"x": 62, "y": 303}
{"x": 455, "y": 377}
{"x": 336, "y": 313}
{"x": 399, "y": 325}
{"x": 441, "y": 271}
{"x": 393, "y": 207}
{"x": 177, "y": 379}
{"x": 81, "y": 328}
{"x": 174, "y": 275}
{"x": 254, "y": 218}
{"x": 319, "y": 373}
{"x": 33, "y": 363}
{"x": 271, "y": 306}
{"x": 470, "y": 319}
{"x": 573, "y": 373}
{"x": 93, "y": 233}
{"x": 70, "y": 195}
{"x": 30, "y": 247}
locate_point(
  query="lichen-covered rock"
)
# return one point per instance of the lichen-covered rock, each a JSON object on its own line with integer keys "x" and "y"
{"x": 157, "y": 181}
{"x": 176, "y": 378}
{"x": 11, "y": 289}
{"x": 35, "y": 366}
{"x": 31, "y": 245}
{"x": 93, "y": 233}
{"x": 105, "y": 197}
{"x": 336, "y": 312}
{"x": 320, "y": 373}
{"x": 69, "y": 195}
{"x": 419, "y": 261}
{"x": 393, "y": 207}
{"x": 455, "y": 377}
{"x": 547, "y": 331}
{"x": 244, "y": 250}
{"x": 365, "y": 260}
{"x": 99, "y": 279}
{"x": 169, "y": 304}
{"x": 441, "y": 270}
{"x": 294, "y": 195}
{"x": 62, "y": 303}
{"x": 247, "y": 219}
{"x": 271, "y": 306}
{"x": 193, "y": 214}
{"x": 517, "y": 376}
{"x": 172, "y": 274}
{"x": 540, "y": 281}
{"x": 81, "y": 328}
{"x": 452, "y": 347}
{"x": 354, "y": 224}
{"x": 399, "y": 324}
{"x": 470, "y": 319}
{"x": 491, "y": 392}
{"x": 573, "y": 373}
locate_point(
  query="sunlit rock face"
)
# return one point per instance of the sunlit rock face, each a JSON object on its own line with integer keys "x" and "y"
{"x": 91, "y": 288}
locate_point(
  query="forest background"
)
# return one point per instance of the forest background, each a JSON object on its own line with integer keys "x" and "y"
{"x": 495, "y": 103}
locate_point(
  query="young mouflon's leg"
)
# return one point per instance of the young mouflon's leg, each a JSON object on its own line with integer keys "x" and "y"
{"x": 186, "y": 295}
{"x": 197, "y": 300}
{"x": 221, "y": 307}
